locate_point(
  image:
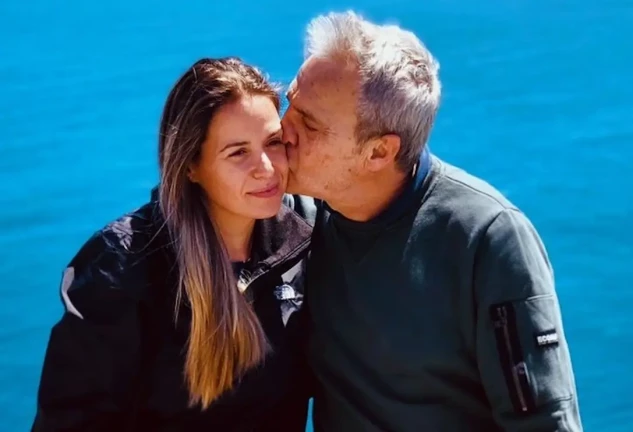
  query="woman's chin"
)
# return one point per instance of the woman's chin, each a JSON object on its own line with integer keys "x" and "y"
{"x": 267, "y": 209}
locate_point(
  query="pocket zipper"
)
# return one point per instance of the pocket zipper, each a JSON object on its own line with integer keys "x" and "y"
{"x": 502, "y": 322}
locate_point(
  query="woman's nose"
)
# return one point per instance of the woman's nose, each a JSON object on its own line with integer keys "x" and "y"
{"x": 264, "y": 167}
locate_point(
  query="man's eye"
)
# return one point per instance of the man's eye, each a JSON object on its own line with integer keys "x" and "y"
{"x": 308, "y": 127}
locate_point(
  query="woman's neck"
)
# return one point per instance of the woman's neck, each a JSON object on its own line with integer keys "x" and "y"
{"x": 236, "y": 233}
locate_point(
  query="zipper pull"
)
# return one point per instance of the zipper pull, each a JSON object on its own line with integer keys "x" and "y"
{"x": 502, "y": 317}
{"x": 244, "y": 280}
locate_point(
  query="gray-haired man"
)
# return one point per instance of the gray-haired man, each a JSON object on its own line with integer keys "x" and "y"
{"x": 431, "y": 298}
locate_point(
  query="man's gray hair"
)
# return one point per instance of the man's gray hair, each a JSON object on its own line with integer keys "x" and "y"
{"x": 399, "y": 84}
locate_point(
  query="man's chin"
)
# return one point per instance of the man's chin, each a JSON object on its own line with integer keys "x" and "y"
{"x": 298, "y": 187}
{"x": 294, "y": 186}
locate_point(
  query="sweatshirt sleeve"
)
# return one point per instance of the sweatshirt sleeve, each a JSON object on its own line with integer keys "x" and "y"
{"x": 92, "y": 358}
{"x": 521, "y": 350}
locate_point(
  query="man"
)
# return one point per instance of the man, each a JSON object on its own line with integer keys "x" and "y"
{"x": 431, "y": 297}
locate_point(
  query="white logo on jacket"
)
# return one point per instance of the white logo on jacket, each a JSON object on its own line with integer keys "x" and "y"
{"x": 289, "y": 296}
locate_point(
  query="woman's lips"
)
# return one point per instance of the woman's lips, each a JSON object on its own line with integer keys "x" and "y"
{"x": 267, "y": 192}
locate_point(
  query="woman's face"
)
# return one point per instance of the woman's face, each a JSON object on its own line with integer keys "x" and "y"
{"x": 242, "y": 166}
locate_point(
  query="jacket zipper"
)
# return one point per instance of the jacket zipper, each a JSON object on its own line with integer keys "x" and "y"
{"x": 502, "y": 316}
{"x": 245, "y": 280}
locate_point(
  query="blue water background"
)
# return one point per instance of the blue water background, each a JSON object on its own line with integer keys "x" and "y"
{"x": 537, "y": 100}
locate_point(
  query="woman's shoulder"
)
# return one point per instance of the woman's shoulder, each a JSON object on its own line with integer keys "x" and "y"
{"x": 304, "y": 206}
{"x": 110, "y": 267}
{"x": 124, "y": 236}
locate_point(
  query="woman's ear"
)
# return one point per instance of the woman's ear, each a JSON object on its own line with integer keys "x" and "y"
{"x": 192, "y": 174}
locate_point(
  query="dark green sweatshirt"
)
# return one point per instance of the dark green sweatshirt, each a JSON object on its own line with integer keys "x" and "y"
{"x": 441, "y": 317}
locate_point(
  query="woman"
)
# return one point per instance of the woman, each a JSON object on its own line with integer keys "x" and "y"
{"x": 181, "y": 316}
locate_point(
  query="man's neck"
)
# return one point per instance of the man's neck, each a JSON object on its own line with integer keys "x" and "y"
{"x": 236, "y": 233}
{"x": 369, "y": 198}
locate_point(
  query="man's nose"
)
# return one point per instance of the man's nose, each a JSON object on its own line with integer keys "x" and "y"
{"x": 289, "y": 135}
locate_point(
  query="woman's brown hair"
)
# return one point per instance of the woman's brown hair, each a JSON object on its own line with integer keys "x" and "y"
{"x": 225, "y": 338}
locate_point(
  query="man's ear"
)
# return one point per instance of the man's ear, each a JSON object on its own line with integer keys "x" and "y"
{"x": 382, "y": 152}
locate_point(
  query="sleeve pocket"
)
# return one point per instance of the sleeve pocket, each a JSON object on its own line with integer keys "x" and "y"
{"x": 530, "y": 346}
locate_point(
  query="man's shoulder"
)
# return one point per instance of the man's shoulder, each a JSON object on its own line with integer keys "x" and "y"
{"x": 462, "y": 206}
{"x": 471, "y": 188}
{"x": 463, "y": 194}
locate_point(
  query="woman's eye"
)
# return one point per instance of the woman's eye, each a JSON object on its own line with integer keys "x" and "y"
{"x": 238, "y": 152}
{"x": 275, "y": 143}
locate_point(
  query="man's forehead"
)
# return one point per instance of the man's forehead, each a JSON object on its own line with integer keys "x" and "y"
{"x": 297, "y": 90}
{"x": 325, "y": 68}
{"x": 323, "y": 78}
{"x": 304, "y": 84}
{"x": 292, "y": 88}
{"x": 300, "y": 91}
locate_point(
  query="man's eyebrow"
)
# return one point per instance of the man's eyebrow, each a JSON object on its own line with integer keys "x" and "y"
{"x": 307, "y": 115}
{"x": 301, "y": 111}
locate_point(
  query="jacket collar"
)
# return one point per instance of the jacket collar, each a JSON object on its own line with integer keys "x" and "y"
{"x": 278, "y": 242}
{"x": 400, "y": 205}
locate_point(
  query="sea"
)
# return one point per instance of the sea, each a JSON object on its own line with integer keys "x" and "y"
{"x": 537, "y": 100}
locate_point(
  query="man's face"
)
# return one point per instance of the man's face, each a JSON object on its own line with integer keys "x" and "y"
{"x": 318, "y": 126}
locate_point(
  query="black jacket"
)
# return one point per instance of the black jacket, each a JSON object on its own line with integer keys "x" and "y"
{"x": 115, "y": 360}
